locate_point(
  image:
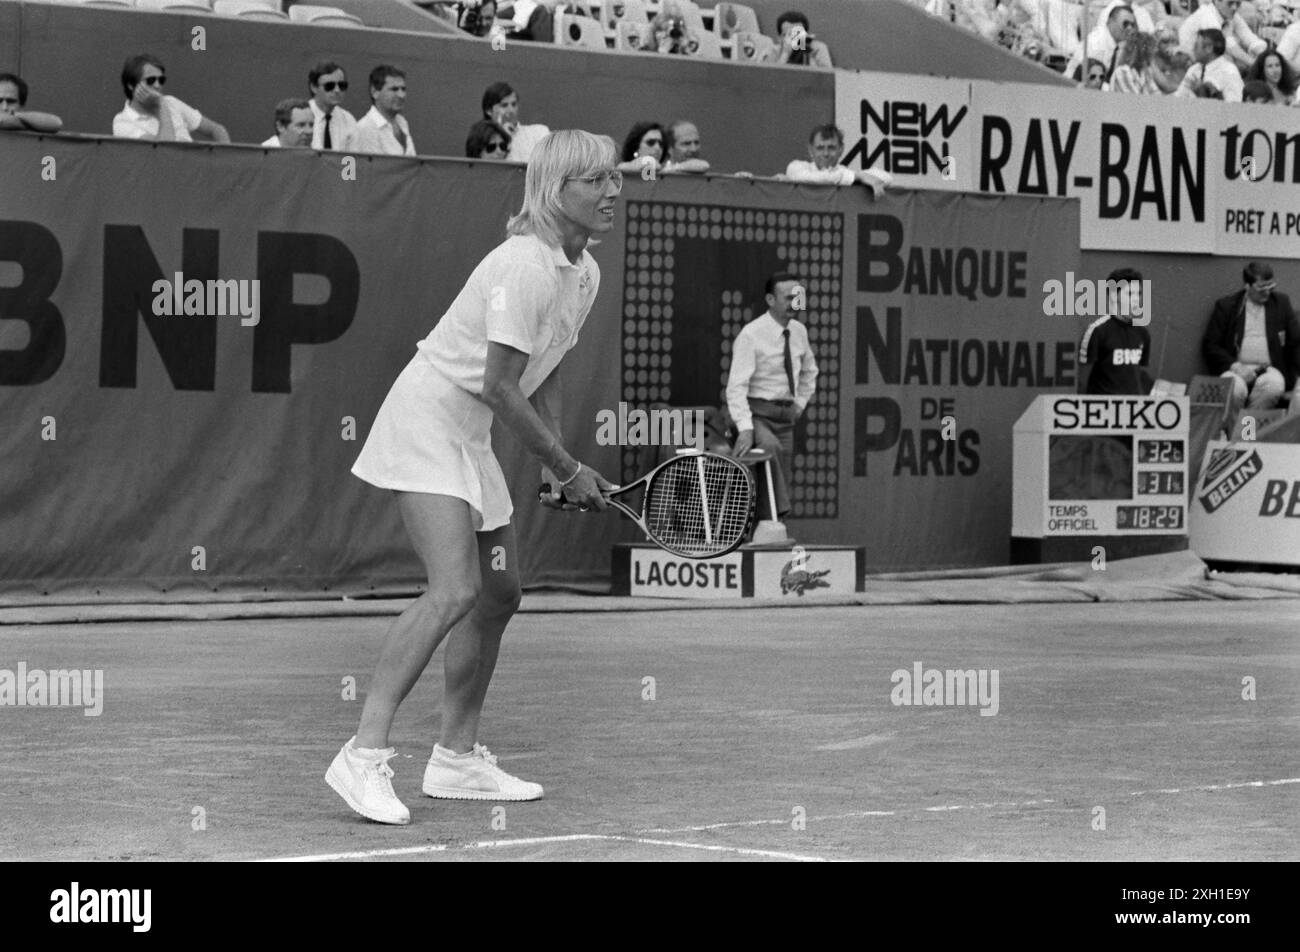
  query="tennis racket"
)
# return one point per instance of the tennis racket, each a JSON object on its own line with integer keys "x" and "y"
{"x": 696, "y": 505}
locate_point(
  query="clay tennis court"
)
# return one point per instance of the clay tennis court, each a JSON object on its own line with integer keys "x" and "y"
{"x": 760, "y": 717}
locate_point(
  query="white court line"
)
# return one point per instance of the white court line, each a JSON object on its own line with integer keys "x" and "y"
{"x": 741, "y": 851}
{"x": 535, "y": 841}
{"x": 859, "y": 814}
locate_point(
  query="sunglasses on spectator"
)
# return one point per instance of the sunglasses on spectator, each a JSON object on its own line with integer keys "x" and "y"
{"x": 600, "y": 179}
{"x": 496, "y": 145}
{"x": 155, "y": 81}
{"x": 1263, "y": 288}
{"x": 329, "y": 87}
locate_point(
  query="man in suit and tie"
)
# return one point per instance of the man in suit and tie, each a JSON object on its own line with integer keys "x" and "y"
{"x": 335, "y": 128}
{"x": 772, "y": 380}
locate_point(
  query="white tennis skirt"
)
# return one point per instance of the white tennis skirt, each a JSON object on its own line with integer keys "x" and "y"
{"x": 432, "y": 436}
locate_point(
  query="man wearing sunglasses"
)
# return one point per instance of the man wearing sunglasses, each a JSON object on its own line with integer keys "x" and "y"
{"x": 1253, "y": 339}
{"x": 152, "y": 115}
{"x": 335, "y": 128}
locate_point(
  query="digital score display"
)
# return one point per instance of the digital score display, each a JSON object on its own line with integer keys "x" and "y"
{"x": 1169, "y": 518}
{"x": 1101, "y": 466}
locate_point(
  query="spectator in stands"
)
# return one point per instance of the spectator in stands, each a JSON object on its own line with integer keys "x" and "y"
{"x": 150, "y": 114}
{"x": 1212, "y": 76}
{"x": 1271, "y": 69}
{"x": 1133, "y": 73}
{"x": 533, "y": 20}
{"x": 335, "y": 128}
{"x": 684, "y": 148}
{"x": 1253, "y": 339}
{"x": 825, "y": 146}
{"x": 1241, "y": 45}
{"x": 13, "y": 97}
{"x": 1096, "y": 75}
{"x": 668, "y": 32}
{"x": 1288, "y": 47}
{"x": 501, "y": 105}
{"x": 487, "y": 140}
{"x": 384, "y": 129}
{"x": 1256, "y": 91}
{"x": 772, "y": 380}
{"x": 477, "y": 18}
{"x": 643, "y": 149}
{"x": 1105, "y": 38}
{"x": 1116, "y": 350}
{"x": 1169, "y": 67}
{"x": 293, "y": 125}
{"x": 798, "y": 46}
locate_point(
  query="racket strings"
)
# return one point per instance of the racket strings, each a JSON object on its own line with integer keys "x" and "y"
{"x": 699, "y": 516}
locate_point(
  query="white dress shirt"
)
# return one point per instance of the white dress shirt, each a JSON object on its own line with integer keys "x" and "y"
{"x": 1240, "y": 38}
{"x": 130, "y": 123}
{"x": 343, "y": 129}
{"x": 758, "y": 367}
{"x": 524, "y": 139}
{"x": 1221, "y": 73}
{"x": 375, "y": 134}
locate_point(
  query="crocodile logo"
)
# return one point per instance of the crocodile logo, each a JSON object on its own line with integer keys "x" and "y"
{"x": 800, "y": 580}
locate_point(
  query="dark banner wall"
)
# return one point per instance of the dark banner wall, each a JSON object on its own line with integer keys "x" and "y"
{"x": 72, "y": 58}
{"x": 148, "y": 453}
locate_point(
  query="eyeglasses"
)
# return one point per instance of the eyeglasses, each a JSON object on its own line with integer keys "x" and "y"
{"x": 495, "y": 146}
{"x": 331, "y": 86}
{"x": 155, "y": 80}
{"x": 600, "y": 179}
{"x": 1263, "y": 288}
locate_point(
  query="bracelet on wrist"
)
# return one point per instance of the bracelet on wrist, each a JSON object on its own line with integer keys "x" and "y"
{"x": 573, "y": 477}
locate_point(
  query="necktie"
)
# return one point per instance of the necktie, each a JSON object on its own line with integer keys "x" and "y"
{"x": 789, "y": 364}
{"x": 328, "y": 144}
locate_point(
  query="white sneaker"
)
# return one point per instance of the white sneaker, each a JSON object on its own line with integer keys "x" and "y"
{"x": 474, "y": 776}
{"x": 365, "y": 783}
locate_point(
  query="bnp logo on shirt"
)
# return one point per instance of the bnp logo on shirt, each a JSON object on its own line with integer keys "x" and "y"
{"x": 1083, "y": 297}
{"x": 1226, "y": 473}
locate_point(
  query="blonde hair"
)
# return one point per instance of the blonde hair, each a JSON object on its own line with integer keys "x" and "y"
{"x": 563, "y": 154}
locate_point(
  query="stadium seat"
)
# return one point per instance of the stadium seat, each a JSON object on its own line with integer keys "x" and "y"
{"x": 572, "y": 29}
{"x": 710, "y": 47}
{"x": 732, "y": 18}
{"x": 692, "y": 16}
{"x": 176, "y": 6}
{"x": 323, "y": 16}
{"x": 630, "y": 36}
{"x": 611, "y": 13}
{"x": 749, "y": 47}
{"x": 248, "y": 10}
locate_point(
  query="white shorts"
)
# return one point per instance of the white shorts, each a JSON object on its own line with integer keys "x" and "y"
{"x": 432, "y": 436}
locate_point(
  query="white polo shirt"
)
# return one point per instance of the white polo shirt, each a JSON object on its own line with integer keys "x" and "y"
{"x": 524, "y": 294}
{"x": 375, "y": 134}
{"x": 130, "y": 123}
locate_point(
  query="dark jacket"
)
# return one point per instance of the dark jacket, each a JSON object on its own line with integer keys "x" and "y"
{"x": 1222, "y": 341}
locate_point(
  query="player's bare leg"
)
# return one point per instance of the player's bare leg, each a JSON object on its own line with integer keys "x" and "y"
{"x": 460, "y": 768}
{"x": 441, "y": 530}
{"x": 476, "y": 640}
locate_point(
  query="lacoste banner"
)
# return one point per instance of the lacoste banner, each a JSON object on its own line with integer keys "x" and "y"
{"x": 1247, "y": 503}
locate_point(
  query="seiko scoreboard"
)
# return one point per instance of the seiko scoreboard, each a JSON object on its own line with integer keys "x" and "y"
{"x": 1099, "y": 471}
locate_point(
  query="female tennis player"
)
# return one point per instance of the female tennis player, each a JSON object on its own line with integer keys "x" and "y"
{"x": 496, "y": 347}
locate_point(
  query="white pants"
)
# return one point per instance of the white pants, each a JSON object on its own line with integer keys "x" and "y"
{"x": 1262, "y": 395}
